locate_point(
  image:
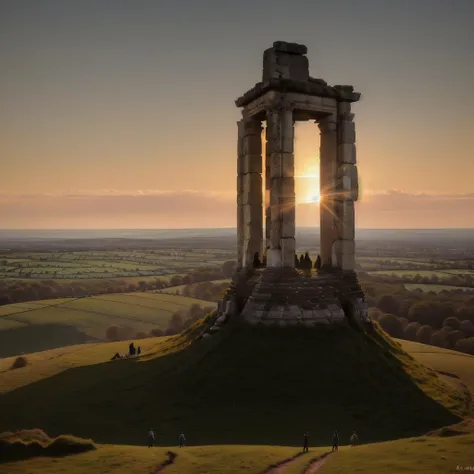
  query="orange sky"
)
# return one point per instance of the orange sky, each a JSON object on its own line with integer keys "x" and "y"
{"x": 125, "y": 118}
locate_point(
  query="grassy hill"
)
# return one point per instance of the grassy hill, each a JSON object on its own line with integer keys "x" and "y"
{"x": 47, "y": 324}
{"x": 246, "y": 386}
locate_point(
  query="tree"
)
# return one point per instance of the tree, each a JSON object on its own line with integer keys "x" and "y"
{"x": 157, "y": 333}
{"x": 112, "y": 333}
{"x": 388, "y": 304}
{"x": 176, "y": 323}
{"x": 451, "y": 322}
{"x": 467, "y": 327}
{"x": 411, "y": 330}
{"x": 465, "y": 345}
{"x": 391, "y": 324}
{"x": 424, "y": 334}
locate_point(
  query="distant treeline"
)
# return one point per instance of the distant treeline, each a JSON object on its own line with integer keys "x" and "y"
{"x": 444, "y": 319}
{"x": 18, "y": 291}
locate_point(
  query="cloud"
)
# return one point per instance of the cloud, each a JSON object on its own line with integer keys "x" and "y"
{"x": 187, "y": 208}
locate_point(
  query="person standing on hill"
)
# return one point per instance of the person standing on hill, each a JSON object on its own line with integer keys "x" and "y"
{"x": 131, "y": 349}
{"x": 305, "y": 442}
{"x": 182, "y": 439}
{"x": 354, "y": 438}
{"x": 335, "y": 441}
{"x": 151, "y": 438}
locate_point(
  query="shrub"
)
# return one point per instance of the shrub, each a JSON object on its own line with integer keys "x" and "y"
{"x": 391, "y": 325}
{"x": 157, "y": 333}
{"x": 467, "y": 327}
{"x": 465, "y": 345}
{"x": 388, "y": 304}
{"x": 112, "y": 333}
{"x": 452, "y": 322}
{"x": 424, "y": 334}
{"x": 411, "y": 330}
{"x": 19, "y": 363}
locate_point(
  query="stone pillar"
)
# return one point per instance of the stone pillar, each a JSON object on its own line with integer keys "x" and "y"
{"x": 240, "y": 190}
{"x": 280, "y": 137}
{"x": 250, "y": 183}
{"x": 347, "y": 191}
{"x": 327, "y": 183}
{"x": 268, "y": 185}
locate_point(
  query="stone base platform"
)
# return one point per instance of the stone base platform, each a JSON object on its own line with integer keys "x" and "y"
{"x": 289, "y": 297}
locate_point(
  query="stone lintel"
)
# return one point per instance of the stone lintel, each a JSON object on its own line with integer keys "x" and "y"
{"x": 310, "y": 88}
{"x": 291, "y": 48}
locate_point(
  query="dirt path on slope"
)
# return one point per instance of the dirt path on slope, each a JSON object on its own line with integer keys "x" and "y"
{"x": 282, "y": 465}
{"x": 171, "y": 457}
{"x": 315, "y": 465}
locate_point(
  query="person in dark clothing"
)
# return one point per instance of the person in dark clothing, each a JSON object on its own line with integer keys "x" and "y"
{"x": 335, "y": 441}
{"x": 116, "y": 356}
{"x": 297, "y": 262}
{"x": 307, "y": 261}
{"x": 256, "y": 261}
{"x": 317, "y": 264}
{"x": 151, "y": 438}
{"x": 182, "y": 439}
{"x": 301, "y": 261}
{"x": 131, "y": 349}
{"x": 139, "y": 351}
{"x": 305, "y": 442}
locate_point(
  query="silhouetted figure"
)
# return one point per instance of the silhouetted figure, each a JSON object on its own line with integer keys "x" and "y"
{"x": 264, "y": 261}
{"x": 307, "y": 261}
{"x": 116, "y": 356}
{"x": 317, "y": 263}
{"x": 256, "y": 261}
{"x": 335, "y": 441}
{"x": 297, "y": 262}
{"x": 151, "y": 438}
{"x": 301, "y": 261}
{"x": 354, "y": 438}
{"x": 131, "y": 349}
{"x": 305, "y": 442}
{"x": 182, "y": 439}
{"x": 139, "y": 351}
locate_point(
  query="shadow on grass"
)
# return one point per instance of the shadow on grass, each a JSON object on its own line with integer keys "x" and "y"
{"x": 39, "y": 337}
{"x": 243, "y": 386}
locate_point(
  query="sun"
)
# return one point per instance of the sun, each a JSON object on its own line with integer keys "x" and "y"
{"x": 307, "y": 185}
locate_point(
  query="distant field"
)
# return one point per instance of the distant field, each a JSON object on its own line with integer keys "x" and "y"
{"x": 434, "y": 287}
{"x": 23, "y": 326}
{"x": 173, "y": 289}
{"x": 107, "y": 264}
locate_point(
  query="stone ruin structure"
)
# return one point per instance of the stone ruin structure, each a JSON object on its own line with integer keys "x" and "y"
{"x": 280, "y": 294}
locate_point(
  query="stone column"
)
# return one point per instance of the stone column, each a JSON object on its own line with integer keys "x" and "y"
{"x": 250, "y": 173}
{"x": 268, "y": 186}
{"x": 347, "y": 191}
{"x": 280, "y": 136}
{"x": 240, "y": 190}
{"x": 327, "y": 183}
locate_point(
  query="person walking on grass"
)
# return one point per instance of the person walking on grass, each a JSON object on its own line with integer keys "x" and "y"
{"x": 335, "y": 441}
{"x": 305, "y": 442}
{"x": 182, "y": 439}
{"x": 354, "y": 438}
{"x": 151, "y": 438}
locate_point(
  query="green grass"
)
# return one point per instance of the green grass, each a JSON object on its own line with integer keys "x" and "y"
{"x": 246, "y": 386}
{"x": 411, "y": 273}
{"x": 434, "y": 287}
{"x": 46, "y": 324}
{"x": 416, "y": 455}
{"x": 174, "y": 289}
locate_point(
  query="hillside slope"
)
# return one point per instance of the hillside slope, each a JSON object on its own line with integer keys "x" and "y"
{"x": 47, "y": 324}
{"x": 244, "y": 386}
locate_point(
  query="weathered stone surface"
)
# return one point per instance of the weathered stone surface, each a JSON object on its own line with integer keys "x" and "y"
{"x": 221, "y": 319}
{"x": 252, "y": 145}
{"x": 280, "y": 130}
{"x": 252, "y": 189}
{"x": 346, "y": 132}
{"x": 288, "y": 227}
{"x": 344, "y": 220}
{"x": 288, "y": 250}
{"x": 279, "y": 63}
{"x": 346, "y": 153}
{"x": 274, "y": 258}
{"x": 344, "y": 254}
{"x": 251, "y": 164}
{"x": 206, "y": 335}
{"x": 293, "y": 48}
{"x": 347, "y": 182}
{"x": 282, "y": 165}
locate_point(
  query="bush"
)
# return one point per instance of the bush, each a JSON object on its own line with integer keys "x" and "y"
{"x": 465, "y": 345}
{"x": 112, "y": 333}
{"x": 423, "y": 334}
{"x": 452, "y": 322}
{"x": 19, "y": 363}
{"x": 157, "y": 333}
{"x": 388, "y": 304}
{"x": 467, "y": 327}
{"x": 411, "y": 330}
{"x": 25, "y": 444}
{"x": 391, "y": 325}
